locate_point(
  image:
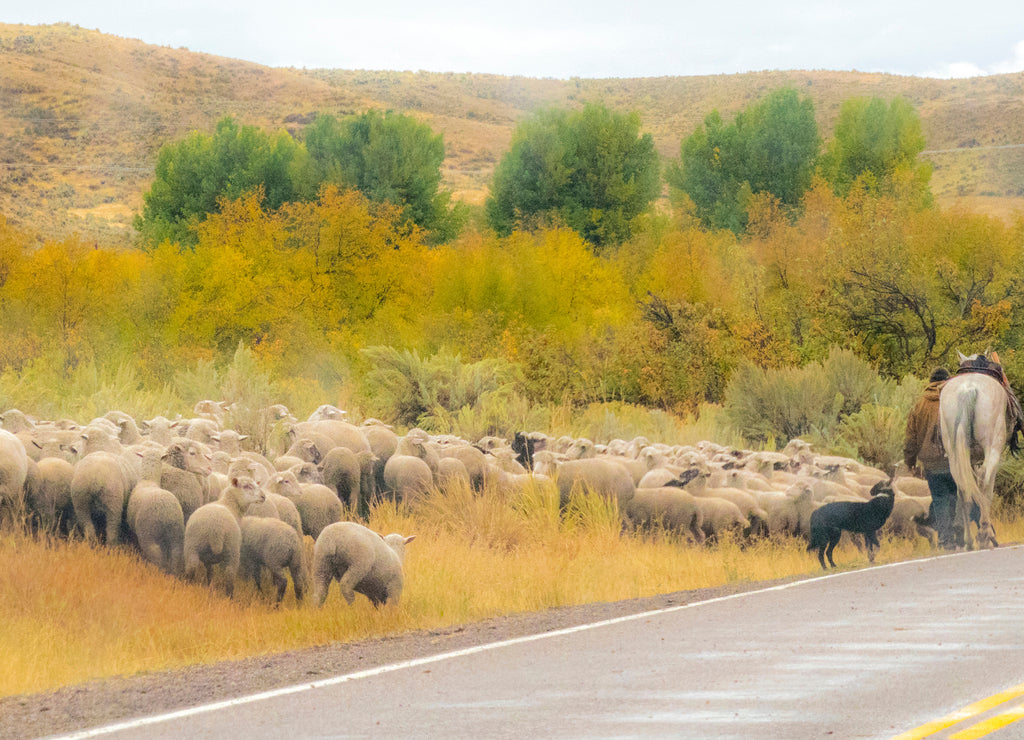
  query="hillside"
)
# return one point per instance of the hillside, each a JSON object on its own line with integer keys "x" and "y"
{"x": 83, "y": 114}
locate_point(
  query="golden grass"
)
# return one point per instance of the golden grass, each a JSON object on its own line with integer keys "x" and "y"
{"x": 71, "y": 612}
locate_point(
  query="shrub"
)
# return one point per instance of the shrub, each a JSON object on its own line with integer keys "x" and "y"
{"x": 407, "y": 388}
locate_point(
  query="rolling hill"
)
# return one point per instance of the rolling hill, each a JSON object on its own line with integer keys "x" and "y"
{"x": 83, "y": 113}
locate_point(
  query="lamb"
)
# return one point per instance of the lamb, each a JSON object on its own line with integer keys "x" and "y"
{"x": 272, "y": 544}
{"x": 672, "y": 508}
{"x": 361, "y": 560}
{"x": 864, "y": 517}
{"x": 213, "y": 533}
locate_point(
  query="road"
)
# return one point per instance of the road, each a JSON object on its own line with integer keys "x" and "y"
{"x": 874, "y": 653}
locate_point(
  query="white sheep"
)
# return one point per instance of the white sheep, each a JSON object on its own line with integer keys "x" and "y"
{"x": 154, "y": 516}
{"x": 13, "y": 472}
{"x": 48, "y": 494}
{"x": 318, "y": 505}
{"x": 272, "y": 544}
{"x": 213, "y": 533}
{"x": 99, "y": 493}
{"x": 184, "y": 473}
{"x": 361, "y": 561}
{"x": 672, "y": 508}
{"x": 155, "y": 519}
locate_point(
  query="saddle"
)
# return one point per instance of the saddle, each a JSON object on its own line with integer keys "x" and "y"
{"x": 992, "y": 368}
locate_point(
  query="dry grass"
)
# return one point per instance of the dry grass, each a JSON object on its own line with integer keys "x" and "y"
{"x": 72, "y": 612}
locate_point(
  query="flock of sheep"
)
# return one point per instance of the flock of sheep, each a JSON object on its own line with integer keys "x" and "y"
{"x": 190, "y": 495}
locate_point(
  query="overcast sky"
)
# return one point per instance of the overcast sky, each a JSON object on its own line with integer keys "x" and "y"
{"x": 588, "y": 38}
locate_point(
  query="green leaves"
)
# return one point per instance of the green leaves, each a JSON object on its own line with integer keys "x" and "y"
{"x": 591, "y": 170}
{"x": 771, "y": 147}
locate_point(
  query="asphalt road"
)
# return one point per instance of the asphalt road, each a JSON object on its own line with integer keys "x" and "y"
{"x": 871, "y": 653}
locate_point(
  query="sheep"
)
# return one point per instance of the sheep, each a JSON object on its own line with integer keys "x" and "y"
{"x": 48, "y": 495}
{"x": 407, "y": 477}
{"x": 910, "y": 519}
{"x": 327, "y": 411}
{"x": 341, "y": 469}
{"x": 213, "y": 533}
{"x": 719, "y": 517}
{"x": 672, "y": 508}
{"x": 13, "y": 472}
{"x": 184, "y": 474}
{"x": 276, "y": 506}
{"x": 318, "y": 505}
{"x": 14, "y": 421}
{"x": 361, "y": 560}
{"x": 272, "y": 544}
{"x": 755, "y": 516}
{"x": 604, "y": 477}
{"x": 155, "y": 519}
{"x": 789, "y": 512}
{"x": 383, "y": 442}
{"x": 864, "y": 517}
{"x": 452, "y": 470}
{"x": 206, "y": 431}
{"x": 99, "y": 493}
{"x": 159, "y": 429}
{"x": 417, "y": 443}
{"x": 474, "y": 460}
{"x": 230, "y": 441}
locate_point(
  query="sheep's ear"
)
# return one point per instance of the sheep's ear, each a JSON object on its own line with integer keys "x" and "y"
{"x": 961, "y": 356}
{"x": 243, "y": 437}
{"x": 410, "y": 538}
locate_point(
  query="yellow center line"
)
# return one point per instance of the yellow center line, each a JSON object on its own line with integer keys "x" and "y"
{"x": 990, "y": 725}
{"x": 983, "y": 705}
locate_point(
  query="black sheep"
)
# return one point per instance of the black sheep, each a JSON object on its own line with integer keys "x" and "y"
{"x": 524, "y": 447}
{"x": 859, "y": 517}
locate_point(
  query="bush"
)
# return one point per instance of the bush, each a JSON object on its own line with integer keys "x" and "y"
{"x": 407, "y": 389}
{"x": 781, "y": 403}
{"x": 814, "y": 400}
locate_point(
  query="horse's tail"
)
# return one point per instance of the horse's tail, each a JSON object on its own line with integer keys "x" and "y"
{"x": 960, "y": 451}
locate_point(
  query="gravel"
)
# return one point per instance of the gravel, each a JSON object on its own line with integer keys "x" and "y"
{"x": 110, "y": 700}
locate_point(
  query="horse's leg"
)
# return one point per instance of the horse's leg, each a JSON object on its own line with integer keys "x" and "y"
{"x": 987, "y": 482}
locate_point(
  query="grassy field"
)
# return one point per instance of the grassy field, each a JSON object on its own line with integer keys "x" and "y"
{"x": 72, "y": 612}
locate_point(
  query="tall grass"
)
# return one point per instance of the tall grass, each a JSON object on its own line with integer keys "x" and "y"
{"x": 72, "y": 612}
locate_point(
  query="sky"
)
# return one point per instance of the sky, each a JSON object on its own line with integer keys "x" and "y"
{"x": 588, "y": 38}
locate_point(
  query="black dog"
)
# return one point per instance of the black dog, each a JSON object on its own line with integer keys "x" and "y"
{"x": 860, "y": 517}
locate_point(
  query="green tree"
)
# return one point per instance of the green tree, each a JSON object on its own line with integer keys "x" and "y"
{"x": 771, "y": 147}
{"x": 389, "y": 158}
{"x": 591, "y": 169}
{"x": 194, "y": 174}
{"x": 876, "y": 142}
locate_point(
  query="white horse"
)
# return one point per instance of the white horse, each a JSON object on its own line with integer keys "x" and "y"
{"x": 974, "y": 418}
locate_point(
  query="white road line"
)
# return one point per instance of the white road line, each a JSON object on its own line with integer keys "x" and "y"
{"x": 134, "y": 724}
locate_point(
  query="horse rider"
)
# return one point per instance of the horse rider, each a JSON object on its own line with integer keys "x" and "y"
{"x": 923, "y": 443}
